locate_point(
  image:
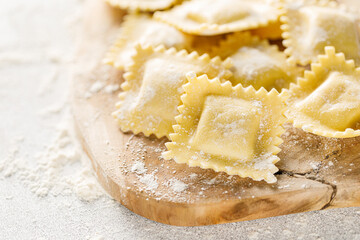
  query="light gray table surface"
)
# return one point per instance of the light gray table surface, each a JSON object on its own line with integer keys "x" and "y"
{"x": 36, "y": 55}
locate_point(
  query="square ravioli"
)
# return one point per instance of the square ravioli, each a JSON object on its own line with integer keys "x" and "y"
{"x": 143, "y": 5}
{"x": 142, "y": 29}
{"x": 153, "y": 86}
{"x": 327, "y": 101}
{"x": 309, "y": 26}
{"x": 232, "y": 129}
{"x": 256, "y": 62}
{"x": 213, "y": 17}
{"x": 340, "y": 108}
{"x": 227, "y": 125}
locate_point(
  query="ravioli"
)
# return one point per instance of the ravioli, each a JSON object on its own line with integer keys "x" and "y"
{"x": 142, "y": 29}
{"x": 232, "y": 129}
{"x": 326, "y": 101}
{"x": 213, "y": 17}
{"x": 143, "y": 5}
{"x": 153, "y": 86}
{"x": 309, "y": 26}
{"x": 257, "y": 63}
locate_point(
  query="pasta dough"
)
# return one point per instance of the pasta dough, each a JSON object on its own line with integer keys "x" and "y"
{"x": 153, "y": 86}
{"x": 309, "y": 26}
{"x": 327, "y": 101}
{"x": 212, "y": 17}
{"x": 143, "y": 5}
{"x": 231, "y": 129}
{"x": 141, "y": 28}
{"x": 228, "y": 115}
{"x": 257, "y": 63}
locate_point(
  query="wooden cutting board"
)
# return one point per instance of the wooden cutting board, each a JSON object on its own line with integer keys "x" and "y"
{"x": 316, "y": 173}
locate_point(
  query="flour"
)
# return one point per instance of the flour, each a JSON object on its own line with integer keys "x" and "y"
{"x": 212, "y": 181}
{"x": 138, "y": 167}
{"x": 96, "y": 87}
{"x": 111, "y": 88}
{"x": 99, "y": 86}
{"x": 314, "y": 165}
{"x": 96, "y": 237}
{"x": 24, "y": 216}
{"x": 61, "y": 169}
{"x": 16, "y": 58}
{"x": 150, "y": 182}
{"x": 193, "y": 176}
{"x": 177, "y": 185}
{"x": 47, "y": 83}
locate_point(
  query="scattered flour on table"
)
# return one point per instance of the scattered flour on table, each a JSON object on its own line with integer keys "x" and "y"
{"x": 96, "y": 237}
{"x": 150, "y": 181}
{"x": 138, "y": 167}
{"x": 98, "y": 86}
{"x": 94, "y": 88}
{"x": 177, "y": 185}
{"x": 111, "y": 88}
{"x": 103, "y": 85}
{"x": 61, "y": 169}
{"x": 147, "y": 173}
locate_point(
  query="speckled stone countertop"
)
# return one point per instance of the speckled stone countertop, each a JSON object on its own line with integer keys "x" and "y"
{"x": 47, "y": 190}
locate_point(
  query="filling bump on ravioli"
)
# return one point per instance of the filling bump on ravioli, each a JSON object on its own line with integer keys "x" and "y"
{"x": 309, "y": 27}
{"x": 220, "y": 12}
{"x": 142, "y": 29}
{"x": 160, "y": 87}
{"x": 257, "y": 63}
{"x": 228, "y": 126}
{"x": 213, "y": 17}
{"x": 255, "y": 67}
{"x": 335, "y": 103}
{"x": 326, "y": 101}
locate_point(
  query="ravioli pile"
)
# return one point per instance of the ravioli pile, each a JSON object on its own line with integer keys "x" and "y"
{"x": 212, "y": 76}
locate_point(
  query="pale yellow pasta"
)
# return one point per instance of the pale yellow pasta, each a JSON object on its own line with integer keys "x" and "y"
{"x": 326, "y": 101}
{"x": 256, "y": 62}
{"x": 231, "y": 129}
{"x": 309, "y": 26}
{"x": 226, "y": 113}
{"x": 143, "y": 5}
{"x": 153, "y": 86}
{"x": 213, "y": 17}
{"x": 142, "y": 29}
